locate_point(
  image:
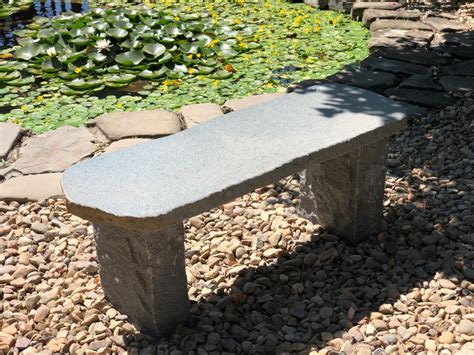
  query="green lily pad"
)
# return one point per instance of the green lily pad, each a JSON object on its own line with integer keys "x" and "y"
{"x": 130, "y": 58}
{"x": 81, "y": 84}
{"x": 221, "y": 74}
{"x": 149, "y": 74}
{"x": 154, "y": 49}
{"x": 124, "y": 78}
{"x": 117, "y": 33}
{"x": 21, "y": 81}
{"x": 28, "y": 51}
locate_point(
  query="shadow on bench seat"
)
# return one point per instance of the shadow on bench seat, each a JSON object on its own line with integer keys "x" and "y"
{"x": 138, "y": 197}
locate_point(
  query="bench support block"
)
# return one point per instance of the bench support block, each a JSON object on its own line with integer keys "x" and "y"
{"x": 345, "y": 194}
{"x": 143, "y": 275}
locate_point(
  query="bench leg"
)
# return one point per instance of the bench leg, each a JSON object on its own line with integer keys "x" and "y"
{"x": 143, "y": 275}
{"x": 345, "y": 194}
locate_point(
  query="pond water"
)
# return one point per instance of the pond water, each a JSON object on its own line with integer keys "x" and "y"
{"x": 48, "y": 8}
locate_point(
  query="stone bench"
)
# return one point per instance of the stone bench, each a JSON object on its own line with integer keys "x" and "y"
{"x": 138, "y": 197}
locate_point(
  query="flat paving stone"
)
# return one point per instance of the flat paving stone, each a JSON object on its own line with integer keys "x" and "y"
{"x": 359, "y": 7}
{"x": 444, "y": 25}
{"x": 421, "y": 56}
{"x": 394, "y": 66}
{"x": 461, "y": 52}
{"x": 124, "y": 143}
{"x": 465, "y": 68}
{"x": 421, "y": 97}
{"x": 239, "y": 104}
{"x": 459, "y": 38}
{"x": 457, "y": 83}
{"x": 399, "y": 25}
{"x": 424, "y": 82}
{"x": 199, "y": 113}
{"x": 152, "y": 123}
{"x": 421, "y": 36}
{"x": 322, "y": 4}
{"x": 164, "y": 179}
{"x": 371, "y": 15}
{"x": 340, "y": 5}
{"x": 367, "y": 79}
{"x": 10, "y": 133}
{"x": 31, "y": 187}
{"x": 53, "y": 151}
{"x": 399, "y": 38}
{"x": 413, "y": 110}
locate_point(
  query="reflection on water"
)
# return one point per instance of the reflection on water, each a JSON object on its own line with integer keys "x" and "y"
{"x": 46, "y": 8}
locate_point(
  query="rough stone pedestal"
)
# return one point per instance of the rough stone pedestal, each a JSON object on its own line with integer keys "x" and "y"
{"x": 143, "y": 275}
{"x": 345, "y": 194}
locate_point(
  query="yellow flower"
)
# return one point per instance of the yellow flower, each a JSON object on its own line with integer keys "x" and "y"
{"x": 282, "y": 12}
{"x": 190, "y": 56}
{"x": 216, "y": 83}
{"x": 191, "y": 70}
{"x": 237, "y": 21}
{"x": 200, "y": 77}
{"x": 266, "y": 5}
{"x": 213, "y": 43}
{"x": 24, "y": 108}
{"x": 241, "y": 2}
{"x": 297, "y": 21}
{"x": 119, "y": 105}
{"x": 198, "y": 55}
{"x": 239, "y": 38}
{"x": 168, "y": 3}
{"x": 215, "y": 17}
{"x": 177, "y": 18}
{"x": 16, "y": 121}
{"x": 78, "y": 70}
{"x": 316, "y": 29}
{"x": 243, "y": 45}
{"x": 269, "y": 85}
{"x": 40, "y": 98}
{"x": 306, "y": 30}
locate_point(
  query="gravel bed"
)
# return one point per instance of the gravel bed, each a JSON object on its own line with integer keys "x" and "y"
{"x": 263, "y": 280}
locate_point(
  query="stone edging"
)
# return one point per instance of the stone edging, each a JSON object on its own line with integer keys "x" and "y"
{"x": 424, "y": 59}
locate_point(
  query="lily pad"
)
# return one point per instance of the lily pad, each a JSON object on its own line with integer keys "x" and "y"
{"x": 154, "y": 49}
{"x": 130, "y": 58}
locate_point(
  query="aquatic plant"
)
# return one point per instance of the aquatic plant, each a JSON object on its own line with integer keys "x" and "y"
{"x": 113, "y": 47}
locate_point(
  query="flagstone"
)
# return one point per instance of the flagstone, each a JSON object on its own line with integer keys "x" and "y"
{"x": 53, "y": 151}
{"x": 10, "y": 133}
{"x": 199, "y": 113}
{"x": 152, "y": 123}
{"x": 31, "y": 187}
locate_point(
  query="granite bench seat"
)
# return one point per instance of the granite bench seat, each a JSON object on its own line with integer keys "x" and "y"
{"x": 137, "y": 198}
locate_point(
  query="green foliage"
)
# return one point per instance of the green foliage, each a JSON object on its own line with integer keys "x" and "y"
{"x": 7, "y": 10}
{"x": 278, "y": 44}
{"x": 84, "y": 46}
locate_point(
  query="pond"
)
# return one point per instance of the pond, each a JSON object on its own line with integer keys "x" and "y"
{"x": 11, "y": 22}
{"x": 68, "y": 61}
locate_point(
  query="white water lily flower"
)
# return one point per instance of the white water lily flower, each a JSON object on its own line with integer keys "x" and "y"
{"x": 103, "y": 44}
{"x": 51, "y": 51}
